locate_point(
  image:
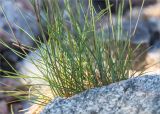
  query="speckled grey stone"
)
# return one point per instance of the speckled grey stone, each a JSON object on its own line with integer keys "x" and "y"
{"x": 139, "y": 95}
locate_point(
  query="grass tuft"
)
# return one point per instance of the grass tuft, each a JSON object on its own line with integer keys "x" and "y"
{"x": 76, "y": 55}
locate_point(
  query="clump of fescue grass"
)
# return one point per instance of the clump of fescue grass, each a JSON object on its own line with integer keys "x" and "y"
{"x": 77, "y": 56}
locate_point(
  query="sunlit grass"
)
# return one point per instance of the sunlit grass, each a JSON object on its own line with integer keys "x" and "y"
{"x": 75, "y": 55}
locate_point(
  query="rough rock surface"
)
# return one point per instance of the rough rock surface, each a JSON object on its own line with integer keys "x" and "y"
{"x": 139, "y": 95}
